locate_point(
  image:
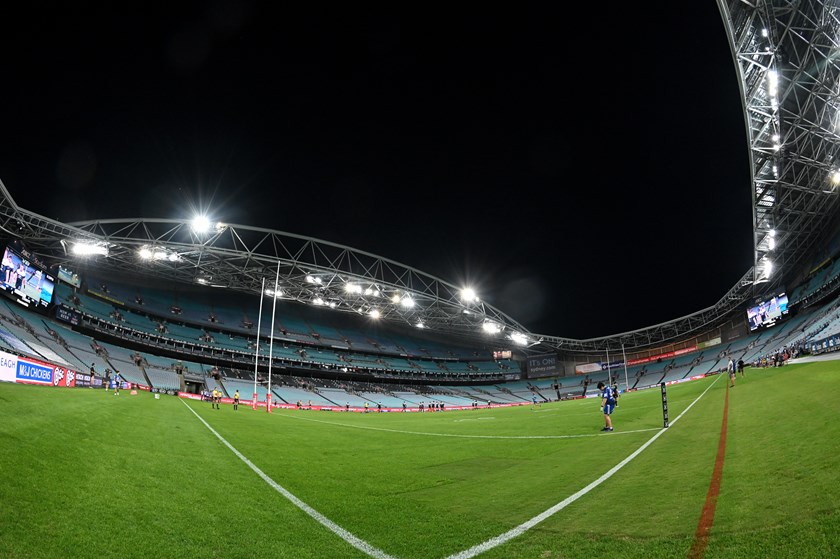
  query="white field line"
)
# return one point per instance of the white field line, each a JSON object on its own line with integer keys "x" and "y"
{"x": 461, "y": 436}
{"x": 356, "y": 542}
{"x": 528, "y": 524}
{"x": 371, "y": 551}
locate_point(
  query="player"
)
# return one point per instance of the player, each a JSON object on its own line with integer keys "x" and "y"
{"x": 534, "y": 401}
{"x": 116, "y": 381}
{"x": 217, "y": 396}
{"x": 236, "y": 400}
{"x": 607, "y": 405}
{"x": 730, "y": 367}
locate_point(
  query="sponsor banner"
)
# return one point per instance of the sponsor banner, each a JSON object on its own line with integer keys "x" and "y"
{"x": 64, "y": 377}
{"x": 31, "y": 371}
{"x": 612, "y": 365}
{"x": 66, "y": 314}
{"x": 543, "y": 364}
{"x": 587, "y": 368}
{"x": 8, "y": 367}
{"x": 82, "y": 380}
{"x": 666, "y": 355}
{"x": 709, "y": 343}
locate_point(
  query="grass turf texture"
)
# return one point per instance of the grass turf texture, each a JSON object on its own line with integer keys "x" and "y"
{"x": 87, "y": 474}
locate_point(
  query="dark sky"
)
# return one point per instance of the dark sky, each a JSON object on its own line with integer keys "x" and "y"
{"x": 586, "y": 169}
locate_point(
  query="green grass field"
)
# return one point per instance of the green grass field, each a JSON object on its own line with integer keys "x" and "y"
{"x": 87, "y": 474}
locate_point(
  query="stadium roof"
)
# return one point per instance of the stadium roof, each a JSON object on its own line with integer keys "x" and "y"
{"x": 788, "y": 77}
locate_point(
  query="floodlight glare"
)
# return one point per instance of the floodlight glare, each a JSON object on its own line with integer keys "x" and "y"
{"x": 310, "y": 279}
{"x": 200, "y": 224}
{"x": 518, "y": 338}
{"x": 395, "y": 298}
{"x": 491, "y": 327}
{"x": 407, "y": 302}
{"x": 835, "y": 178}
{"x": 374, "y": 313}
{"x": 468, "y": 295}
{"x": 271, "y": 293}
{"x": 317, "y": 301}
{"x": 88, "y": 249}
{"x": 352, "y": 288}
{"x": 771, "y": 243}
{"x": 420, "y": 325}
{"x": 145, "y": 253}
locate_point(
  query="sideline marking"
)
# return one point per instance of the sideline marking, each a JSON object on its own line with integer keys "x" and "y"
{"x": 476, "y": 549}
{"x": 707, "y": 517}
{"x": 528, "y": 524}
{"x": 358, "y": 543}
{"x": 460, "y": 436}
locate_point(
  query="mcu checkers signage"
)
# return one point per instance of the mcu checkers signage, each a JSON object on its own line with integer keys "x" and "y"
{"x": 543, "y": 364}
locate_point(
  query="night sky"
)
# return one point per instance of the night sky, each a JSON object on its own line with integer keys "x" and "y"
{"x": 585, "y": 169}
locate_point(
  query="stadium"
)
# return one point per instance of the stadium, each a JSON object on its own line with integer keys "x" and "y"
{"x": 195, "y": 388}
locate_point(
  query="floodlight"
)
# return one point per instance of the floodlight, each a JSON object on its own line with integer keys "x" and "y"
{"x": 468, "y": 295}
{"x": 772, "y": 82}
{"x": 395, "y": 298}
{"x": 200, "y": 224}
{"x": 159, "y": 255}
{"x": 518, "y": 338}
{"x": 491, "y": 327}
{"x": 374, "y": 313}
{"x": 407, "y": 302}
{"x": 202, "y": 281}
{"x": 771, "y": 243}
{"x": 332, "y": 304}
{"x": 310, "y": 279}
{"x": 174, "y": 257}
{"x": 145, "y": 253}
{"x": 82, "y": 248}
{"x": 764, "y": 33}
{"x": 272, "y": 293}
{"x": 420, "y": 325}
{"x": 352, "y": 288}
{"x": 317, "y": 301}
{"x": 835, "y": 177}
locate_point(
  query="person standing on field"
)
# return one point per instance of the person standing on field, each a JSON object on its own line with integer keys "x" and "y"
{"x": 607, "y": 405}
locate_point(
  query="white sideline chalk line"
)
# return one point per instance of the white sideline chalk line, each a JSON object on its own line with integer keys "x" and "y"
{"x": 478, "y": 549}
{"x": 528, "y": 524}
{"x": 356, "y": 542}
{"x": 460, "y": 436}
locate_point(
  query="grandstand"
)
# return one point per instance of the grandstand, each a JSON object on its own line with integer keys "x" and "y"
{"x": 176, "y": 309}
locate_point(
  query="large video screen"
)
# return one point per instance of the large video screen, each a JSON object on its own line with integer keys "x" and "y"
{"x": 25, "y": 282}
{"x": 768, "y": 312}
